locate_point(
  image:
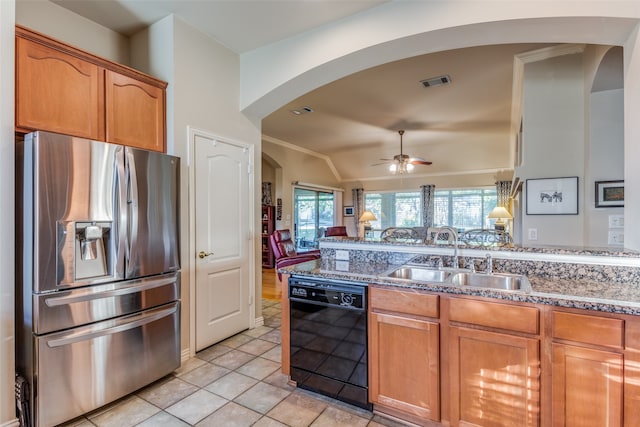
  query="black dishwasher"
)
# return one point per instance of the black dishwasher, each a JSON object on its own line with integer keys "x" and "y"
{"x": 328, "y": 330}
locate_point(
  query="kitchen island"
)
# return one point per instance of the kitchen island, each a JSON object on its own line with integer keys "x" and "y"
{"x": 565, "y": 350}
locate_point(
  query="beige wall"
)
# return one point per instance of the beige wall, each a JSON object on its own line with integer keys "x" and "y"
{"x": 295, "y": 165}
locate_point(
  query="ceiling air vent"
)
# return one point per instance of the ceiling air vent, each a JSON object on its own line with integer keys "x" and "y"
{"x": 436, "y": 81}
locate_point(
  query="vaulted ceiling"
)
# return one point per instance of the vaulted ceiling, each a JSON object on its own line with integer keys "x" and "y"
{"x": 461, "y": 127}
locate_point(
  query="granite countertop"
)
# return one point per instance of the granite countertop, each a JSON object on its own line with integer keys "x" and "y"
{"x": 622, "y": 298}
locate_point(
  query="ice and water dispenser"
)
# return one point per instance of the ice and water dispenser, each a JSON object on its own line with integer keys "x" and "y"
{"x": 92, "y": 249}
{"x": 86, "y": 252}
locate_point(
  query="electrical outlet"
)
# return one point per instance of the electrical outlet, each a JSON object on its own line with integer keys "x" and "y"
{"x": 616, "y": 237}
{"x": 342, "y": 255}
{"x": 616, "y": 221}
{"x": 533, "y": 234}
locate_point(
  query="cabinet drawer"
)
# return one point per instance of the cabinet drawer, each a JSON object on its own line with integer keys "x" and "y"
{"x": 588, "y": 329}
{"x": 407, "y": 302}
{"x": 495, "y": 315}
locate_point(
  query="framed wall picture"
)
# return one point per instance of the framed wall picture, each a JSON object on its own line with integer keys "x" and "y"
{"x": 348, "y": 211}
{"x": 609, "y": 194}
{"x": 552, "y": 196}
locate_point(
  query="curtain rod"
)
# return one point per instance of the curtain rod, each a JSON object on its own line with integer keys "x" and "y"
{"x": 315, "y": 186}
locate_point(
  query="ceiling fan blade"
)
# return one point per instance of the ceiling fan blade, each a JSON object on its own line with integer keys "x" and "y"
{"x": 419, "y": 161}
{"x": 385, "y": 162}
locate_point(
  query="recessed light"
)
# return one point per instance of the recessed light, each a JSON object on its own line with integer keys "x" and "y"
{"x": 302, "y": 110}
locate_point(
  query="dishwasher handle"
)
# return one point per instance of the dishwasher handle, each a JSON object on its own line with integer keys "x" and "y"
{"x": 328, "y": 295}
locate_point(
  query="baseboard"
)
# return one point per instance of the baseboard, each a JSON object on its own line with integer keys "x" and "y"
{"x": 11, "y": 423}
{"x": 185, "y": 355}
{"x": 259, "y": 321}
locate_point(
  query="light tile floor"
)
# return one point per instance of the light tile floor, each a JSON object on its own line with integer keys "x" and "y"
{"x": 234, "y": 383}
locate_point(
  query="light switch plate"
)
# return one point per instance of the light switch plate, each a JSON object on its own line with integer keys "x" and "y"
{"x": 342, "y": 255}
{"x": 616, "y": 221}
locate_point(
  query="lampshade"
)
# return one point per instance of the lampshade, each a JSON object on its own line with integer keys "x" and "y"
{"x": 367, "y": 216}
{"x": 500, "y": 212}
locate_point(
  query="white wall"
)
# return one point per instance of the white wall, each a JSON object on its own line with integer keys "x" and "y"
{"x": 7, "y": 248}
{"x": 632, "y": 141}
{"x": 203, "y": 89}
{"x": 605, "y": 159}
{"x": 59, "y": 23}
{"x": 554, "y": 142}
{"x": 398, "y": 30}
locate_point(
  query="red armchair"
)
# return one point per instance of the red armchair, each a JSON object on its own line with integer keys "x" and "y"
{"x": 335, "y": 231}
{"x": 284, "y": 250}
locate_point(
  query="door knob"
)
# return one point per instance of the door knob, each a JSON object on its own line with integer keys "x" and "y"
{"x": 203, "y": 254}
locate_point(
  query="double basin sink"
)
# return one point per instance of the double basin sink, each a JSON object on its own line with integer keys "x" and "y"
{"x": 461, "y": 277}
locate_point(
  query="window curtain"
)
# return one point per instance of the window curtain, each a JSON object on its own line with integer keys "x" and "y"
{"x": 503, "y": 190}
{"x": 427, "y": 196}
{"x": 358, "y": 207}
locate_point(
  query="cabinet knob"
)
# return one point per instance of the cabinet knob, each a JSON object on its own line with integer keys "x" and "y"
{"x": 203, "y": 254}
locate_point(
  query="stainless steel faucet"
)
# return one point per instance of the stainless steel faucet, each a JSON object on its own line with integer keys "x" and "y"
{"x": 489, "y": 267}
{"x": 454, "y": 233}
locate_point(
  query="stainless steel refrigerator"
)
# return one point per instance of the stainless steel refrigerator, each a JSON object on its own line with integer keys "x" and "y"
{"x": 98, "y": 281}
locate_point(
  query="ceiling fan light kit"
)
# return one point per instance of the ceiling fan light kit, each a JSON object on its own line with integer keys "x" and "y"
{"x": 402, "y": 163}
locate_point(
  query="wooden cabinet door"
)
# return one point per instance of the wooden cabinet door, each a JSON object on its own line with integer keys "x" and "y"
{"x": 57, "y": 92}
{"x": 494, "y": 378}
{"x": 135, "y": 112}
{"x": 586, "y": 387}
{"x": 404, "y": 364}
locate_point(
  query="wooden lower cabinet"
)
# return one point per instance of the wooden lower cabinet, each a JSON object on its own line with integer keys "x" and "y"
{"x": 404, "y": 364}
{"x": 436, "y": 359}
{"x": 587, "y": 387}
{"x": 404, "y": 354}
{"x": 588, "y": 370}
{"x": 494, "y": 378}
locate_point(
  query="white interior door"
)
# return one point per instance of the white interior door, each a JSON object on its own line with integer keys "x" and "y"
{"x": 222, "y": 199}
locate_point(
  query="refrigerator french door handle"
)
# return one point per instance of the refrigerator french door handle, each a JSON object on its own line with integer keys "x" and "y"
{"x": 138, "y": 286}
{"x": 139, "y": 320}
{"x": 133, "y": 211}
{"x": 121, "y": 212}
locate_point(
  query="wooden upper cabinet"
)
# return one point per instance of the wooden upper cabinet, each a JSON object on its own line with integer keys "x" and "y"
{"x": 62, "y": 89}
{"x": 57, "y": 92}
{"x": 135, "y": 112}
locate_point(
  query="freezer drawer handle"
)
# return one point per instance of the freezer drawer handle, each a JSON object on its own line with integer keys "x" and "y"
{"x": 144, "y": 319}
{"x": 71, "y": 299}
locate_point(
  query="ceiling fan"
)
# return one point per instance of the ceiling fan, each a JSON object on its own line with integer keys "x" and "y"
{"x": 402, "y": 163}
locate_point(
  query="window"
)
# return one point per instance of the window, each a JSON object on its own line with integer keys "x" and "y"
{"x": 313, "y": 213}
{"x": 463, "y": 209}
{"x": 394, "y": 209}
